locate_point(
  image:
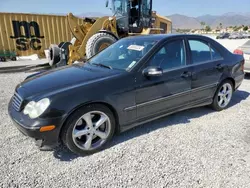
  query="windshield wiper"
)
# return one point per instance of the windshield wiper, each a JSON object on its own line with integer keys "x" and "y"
{"x": 102, "y": 65}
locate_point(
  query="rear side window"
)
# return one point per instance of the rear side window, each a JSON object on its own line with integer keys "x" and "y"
{"x": 215, "y": 54}
{"x": 202, "y": 52}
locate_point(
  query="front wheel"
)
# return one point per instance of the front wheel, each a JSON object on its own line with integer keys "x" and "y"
{"x": 223, "y": 95}
{"x": 89, "y": 129}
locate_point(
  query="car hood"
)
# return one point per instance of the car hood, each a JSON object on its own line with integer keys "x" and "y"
{"x": 63, "y": 78}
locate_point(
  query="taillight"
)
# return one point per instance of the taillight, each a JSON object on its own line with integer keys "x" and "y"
{"x": 238, "y": 51}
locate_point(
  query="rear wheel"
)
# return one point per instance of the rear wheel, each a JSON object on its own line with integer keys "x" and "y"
{"x": 98, "y": 42}
{"x": 89, "y": 129}
{"x": 223, "y": 95}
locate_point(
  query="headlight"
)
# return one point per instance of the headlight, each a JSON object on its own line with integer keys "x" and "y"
{"x": 35, "y": 109}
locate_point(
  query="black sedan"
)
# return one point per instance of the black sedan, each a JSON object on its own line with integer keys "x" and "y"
{"x": 135, "y": 80}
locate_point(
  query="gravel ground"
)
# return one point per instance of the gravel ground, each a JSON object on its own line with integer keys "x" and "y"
{"x": 194, "y": 148}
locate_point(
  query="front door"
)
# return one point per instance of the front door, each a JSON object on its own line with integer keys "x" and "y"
{"x": 156, "y": 95}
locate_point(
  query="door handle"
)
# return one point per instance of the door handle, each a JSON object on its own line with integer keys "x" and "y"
{"x": 186, "y": 74}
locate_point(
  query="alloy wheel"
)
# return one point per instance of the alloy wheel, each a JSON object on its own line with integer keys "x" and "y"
{"x": 91, "y": 130}
{"x": 225, "y": 95}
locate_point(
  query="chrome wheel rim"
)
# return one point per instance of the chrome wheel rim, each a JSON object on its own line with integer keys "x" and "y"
{"x": 91, "y": 130}
{"x": 225, "y": 95}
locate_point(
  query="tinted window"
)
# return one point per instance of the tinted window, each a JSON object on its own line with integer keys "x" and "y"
{"x": 202, "y": 52}
{"x": 215, "y": 54}
{"x": 171, "y": 55}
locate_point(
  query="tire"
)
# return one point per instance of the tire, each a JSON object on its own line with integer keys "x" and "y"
{"x": 13, "y": 59}
{"x": 97, "y": 43}
{"x": 54, "y": 54}
{"x": 3, "y": 59}
{"x": 76, "y": 123}
{"x": 217, "y": 105}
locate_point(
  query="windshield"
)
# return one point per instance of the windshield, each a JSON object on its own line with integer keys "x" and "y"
{"x": 124, "y": 54}
{"x": 119, "y": 7}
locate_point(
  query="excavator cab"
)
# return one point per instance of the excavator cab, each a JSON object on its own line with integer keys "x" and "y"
{"x": 132, "y": 16}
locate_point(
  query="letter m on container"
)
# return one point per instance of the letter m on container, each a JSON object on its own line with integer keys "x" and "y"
{"x": 24, "y": 37}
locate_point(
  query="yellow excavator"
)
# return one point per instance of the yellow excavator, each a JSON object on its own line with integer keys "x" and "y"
{"x": 130, "y": 18}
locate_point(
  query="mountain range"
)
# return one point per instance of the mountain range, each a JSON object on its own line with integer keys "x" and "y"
{"x": 228, "y": 19}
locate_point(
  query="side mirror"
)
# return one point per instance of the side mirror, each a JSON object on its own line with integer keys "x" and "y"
{"x": 152, "y": 71}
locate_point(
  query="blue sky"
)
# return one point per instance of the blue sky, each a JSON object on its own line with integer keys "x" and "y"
{"x": 164, "y": 7}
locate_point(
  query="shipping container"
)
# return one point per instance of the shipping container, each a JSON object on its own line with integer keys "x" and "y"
{"x": 28, "y": 34}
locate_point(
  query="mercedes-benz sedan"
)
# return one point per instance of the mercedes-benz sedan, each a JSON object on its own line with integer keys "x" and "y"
{"x": 135, "y": 80}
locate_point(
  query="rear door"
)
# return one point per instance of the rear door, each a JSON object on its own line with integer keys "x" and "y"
{"x": 207, "y": 68}
{"x": 156, "y": 95}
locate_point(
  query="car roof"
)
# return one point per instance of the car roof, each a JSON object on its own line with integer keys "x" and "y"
{"x": 161, "y": 38}
{"x": 164, "y": 36}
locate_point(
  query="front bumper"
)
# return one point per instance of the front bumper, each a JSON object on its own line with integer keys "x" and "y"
{"x": 31, "y": 128}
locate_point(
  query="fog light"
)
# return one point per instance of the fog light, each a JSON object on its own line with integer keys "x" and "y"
{"x": 47, "y": 128}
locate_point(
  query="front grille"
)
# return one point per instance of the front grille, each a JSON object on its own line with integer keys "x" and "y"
{"x": 17, "y": 102}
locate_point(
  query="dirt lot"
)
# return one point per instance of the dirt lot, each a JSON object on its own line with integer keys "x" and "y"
{"x": 195, "y": 148}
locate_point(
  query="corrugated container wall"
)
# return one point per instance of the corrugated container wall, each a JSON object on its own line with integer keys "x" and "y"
{"x": 32, "y": 33}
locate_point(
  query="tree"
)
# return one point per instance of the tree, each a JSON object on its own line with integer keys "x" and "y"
{"x": 207, "y": 28}
{"x": 203, "y": 24}
{"x": 221, "y": 26}
{"x": 245, "y": 28}
{"x": 235, "y": 28}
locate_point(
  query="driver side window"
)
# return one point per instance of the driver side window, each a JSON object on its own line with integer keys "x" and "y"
{"x": 171, "y": 55}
